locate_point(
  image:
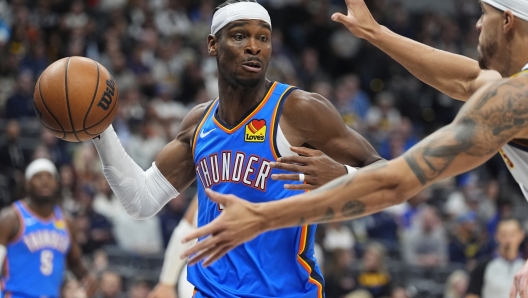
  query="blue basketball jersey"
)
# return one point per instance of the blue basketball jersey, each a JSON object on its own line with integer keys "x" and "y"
{"x": 236, "y": 160}
{"x": 35, "y": 261}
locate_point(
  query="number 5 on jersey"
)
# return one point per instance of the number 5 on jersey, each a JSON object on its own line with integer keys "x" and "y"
{"x": 46, "y": 262}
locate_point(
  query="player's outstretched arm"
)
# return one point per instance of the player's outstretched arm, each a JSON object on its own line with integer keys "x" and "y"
{"x": 144, "y": 193}
{"x": 455, "y": 75}
{"x": 173, "y": 264}
{"x": 492, "y": 117}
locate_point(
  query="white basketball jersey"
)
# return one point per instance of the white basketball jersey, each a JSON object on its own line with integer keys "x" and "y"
{"x": 515, "y": 155}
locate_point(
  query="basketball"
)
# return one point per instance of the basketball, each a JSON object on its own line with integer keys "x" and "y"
{"x": 76, "y": 99}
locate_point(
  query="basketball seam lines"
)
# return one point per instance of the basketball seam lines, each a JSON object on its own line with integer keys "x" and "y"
{"x": 109, "y": 113}
{"x": 47, "y": 109}
{"x": 93, "y": 99}
{"x": 68, "y": 100}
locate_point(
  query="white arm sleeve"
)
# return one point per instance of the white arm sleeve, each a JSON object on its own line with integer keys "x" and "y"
{"x": 173, "y": 264}
{"x": 142, "y": 193}
{"x": 3, "y": 253}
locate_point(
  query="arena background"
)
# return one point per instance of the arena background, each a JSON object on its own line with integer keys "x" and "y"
{"x": 156, "y": 50}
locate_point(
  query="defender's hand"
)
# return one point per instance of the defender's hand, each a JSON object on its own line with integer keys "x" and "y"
{"x": 520, "y": 283}
{"x": 318, "y": 168}
{"x": 163, "y": 291}
{"x": 358, "y": 20}
{"x": 238, "y": 222}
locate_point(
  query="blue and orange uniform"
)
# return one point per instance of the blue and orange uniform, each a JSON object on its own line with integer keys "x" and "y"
{"x": 236, "y": 160}
{"x": 35, "y": 262}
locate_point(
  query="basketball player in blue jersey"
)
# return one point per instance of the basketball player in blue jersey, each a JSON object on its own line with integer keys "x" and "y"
{"x": 231, "y": 144}
{"x": 36, "y": 240}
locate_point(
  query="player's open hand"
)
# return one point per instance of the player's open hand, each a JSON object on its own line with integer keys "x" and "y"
{"x": 162, "y": 290}
{"x": 520, "y": 283}
{"x": 238, "y": 222}
{"x": 358, "y": 20}
{"x": 318, "y": 169}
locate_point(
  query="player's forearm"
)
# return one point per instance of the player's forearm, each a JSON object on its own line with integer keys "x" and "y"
{"x": 368, "y": 191}
{"x": 142, "y": 193}
{"x": 450, "y": 73}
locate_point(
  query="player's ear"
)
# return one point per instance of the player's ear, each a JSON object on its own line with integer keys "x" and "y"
{"x": 508, "y": 21}
{"x": 212, "y": 45}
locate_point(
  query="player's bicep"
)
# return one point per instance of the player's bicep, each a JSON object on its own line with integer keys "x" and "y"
{"x": 9, "y": 225}
{"x": 330, "y": 134}
{"x": 175, "y": 161}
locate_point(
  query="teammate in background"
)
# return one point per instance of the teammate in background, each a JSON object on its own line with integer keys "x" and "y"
{"x": 36, "y": 240}
{"x": 173, "y": 271}
{"x": 494, "y": 118}
{"x": 230, "y": 144}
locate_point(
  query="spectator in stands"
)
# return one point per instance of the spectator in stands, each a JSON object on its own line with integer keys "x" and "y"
{"x": 456, "y": 284}
{"x": 373, "y": 275}
{"x": 13, "y": 160}
{"x": 20, "y": 104}
{"x": 493, "y": 277}
{"x": 468, "y": 243}
{"x": 110, "y": 286}
{"x": 425, "y": 243}
{"x": 339, "y": 278}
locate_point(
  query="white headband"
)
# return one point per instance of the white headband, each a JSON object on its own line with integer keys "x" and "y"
{"x": 40, "y": 165}
{"x": 238, "y": 11}
{"x": 519, "y": 8}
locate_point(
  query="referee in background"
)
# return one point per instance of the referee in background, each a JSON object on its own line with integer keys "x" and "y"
{"x": 493, "y": 278}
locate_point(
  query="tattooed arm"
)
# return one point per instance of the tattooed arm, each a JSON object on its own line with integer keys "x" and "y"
{"x": 493, "y": 116}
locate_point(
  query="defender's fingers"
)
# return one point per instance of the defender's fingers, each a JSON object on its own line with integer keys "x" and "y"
{"x": 210, "y": 241}
{"x": 285, "y": 177}
{"x": 287, "y": 167}
{"x": 216, "y": 255}
{"x": 201, "y": 255}
{"x": 208, "y": 229}
{"x": 295, "y": 159}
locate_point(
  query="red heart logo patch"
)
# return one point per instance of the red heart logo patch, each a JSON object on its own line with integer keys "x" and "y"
{"x": 255, "y": 125}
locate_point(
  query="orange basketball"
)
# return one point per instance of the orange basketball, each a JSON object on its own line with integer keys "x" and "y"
{"x": 76, "y": 99}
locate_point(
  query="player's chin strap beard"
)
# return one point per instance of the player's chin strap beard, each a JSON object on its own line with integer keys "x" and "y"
{"x": 519, "y": 8}
{"x": 238, "y": 11}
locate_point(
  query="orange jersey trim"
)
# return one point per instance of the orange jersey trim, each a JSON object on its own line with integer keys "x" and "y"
{"x": 273, "y": 120}
{"x": 242, "y": 123}
{"x": 199, "y": 127}
{"x": 302, "y": 246}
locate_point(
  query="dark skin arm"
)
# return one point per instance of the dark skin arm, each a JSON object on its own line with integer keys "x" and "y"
{"x": 493, "y": 116}
{"x": 175, "y": 161}
{"x": 9, "y": 225}
{"x": 311, "y": 121}
{"x": 75, "y": 263}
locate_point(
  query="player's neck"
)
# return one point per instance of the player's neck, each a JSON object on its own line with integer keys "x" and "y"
{"x": 236, "y": 101}
{"x": 518, "y": 56}
{"x": 41, "y": 209}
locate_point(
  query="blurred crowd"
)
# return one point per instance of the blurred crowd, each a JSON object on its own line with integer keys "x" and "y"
{"x": 156, "y": 50}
